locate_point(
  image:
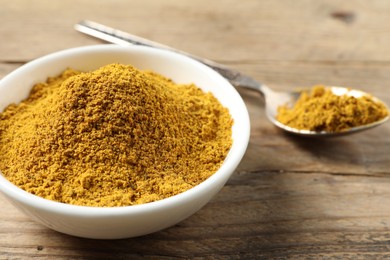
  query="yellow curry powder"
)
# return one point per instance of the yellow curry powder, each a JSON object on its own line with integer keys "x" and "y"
{"x": 322, "y": 110}
{"x": 116, "y": 136}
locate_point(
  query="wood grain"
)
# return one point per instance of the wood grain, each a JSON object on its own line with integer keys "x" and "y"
{"x": 290, "y": 197}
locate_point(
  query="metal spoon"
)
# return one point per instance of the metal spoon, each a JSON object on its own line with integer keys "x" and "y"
{"x": 272, "y": 98}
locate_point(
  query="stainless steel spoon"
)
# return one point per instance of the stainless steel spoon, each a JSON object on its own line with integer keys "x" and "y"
{"x": 272, "y": 98}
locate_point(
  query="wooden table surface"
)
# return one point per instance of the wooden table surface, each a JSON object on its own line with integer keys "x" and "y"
{"x": 290, "y": 197}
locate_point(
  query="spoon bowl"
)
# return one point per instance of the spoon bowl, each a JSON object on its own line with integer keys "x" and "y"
{"x": 272, "y": 98}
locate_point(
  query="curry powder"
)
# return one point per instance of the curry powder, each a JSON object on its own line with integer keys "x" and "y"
{"x": 321, "y": 110}
{"x": 116, "y": 136}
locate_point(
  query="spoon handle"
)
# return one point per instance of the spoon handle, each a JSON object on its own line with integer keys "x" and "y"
{"x": 112, "y": 35}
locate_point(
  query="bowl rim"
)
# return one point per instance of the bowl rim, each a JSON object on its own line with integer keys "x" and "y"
{"x": 231, "y": 161}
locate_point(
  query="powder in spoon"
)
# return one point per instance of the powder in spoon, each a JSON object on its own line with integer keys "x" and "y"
{"x": 116, "y": 136}
{"x": 321, "y": 110}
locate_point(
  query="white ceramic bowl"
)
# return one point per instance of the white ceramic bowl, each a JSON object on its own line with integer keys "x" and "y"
{"x": 130, "y": 221}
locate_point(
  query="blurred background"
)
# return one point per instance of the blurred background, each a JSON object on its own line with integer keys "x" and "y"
{"x": 284, "y": 43}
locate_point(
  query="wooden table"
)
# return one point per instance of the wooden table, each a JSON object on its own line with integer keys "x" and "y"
{"x": 290, "y": 197}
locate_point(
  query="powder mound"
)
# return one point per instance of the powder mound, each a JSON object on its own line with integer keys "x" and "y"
{"x": 116, "y": 136}
{"x": 322, "y": 110}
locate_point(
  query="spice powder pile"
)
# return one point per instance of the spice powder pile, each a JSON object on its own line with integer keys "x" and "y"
{"x": 116, "y": 136}
{"x": 321, "y": 110}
